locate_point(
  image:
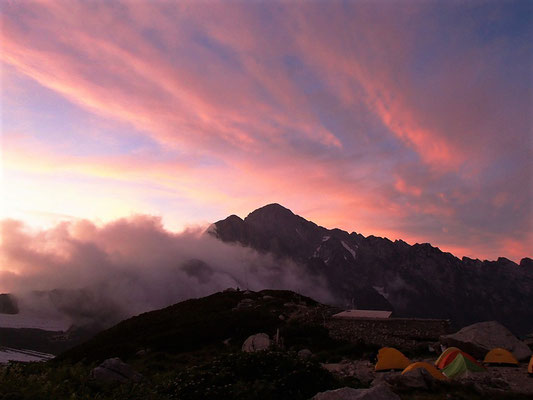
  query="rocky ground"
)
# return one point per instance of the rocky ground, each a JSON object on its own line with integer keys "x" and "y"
{"x": 517, "y": 378}
{"x": 497, "y": 379}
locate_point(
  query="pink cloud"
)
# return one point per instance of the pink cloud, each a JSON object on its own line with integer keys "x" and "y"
{"x": 201, "y": 84}
{"x": 405, "y": 188}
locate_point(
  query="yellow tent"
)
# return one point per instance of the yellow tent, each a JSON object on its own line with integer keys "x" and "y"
{"x": 500, "y": 356}
{"x": 389, "y": 358}
{"x": 445, "y": 353}
{"x": 530, "y": 366}
{"x": 428, "y": 367}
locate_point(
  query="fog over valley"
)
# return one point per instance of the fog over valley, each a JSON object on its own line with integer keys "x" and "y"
{"x": 129, "y": 266}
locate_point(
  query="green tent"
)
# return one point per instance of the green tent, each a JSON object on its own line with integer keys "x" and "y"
{"x": 461, "y": 365}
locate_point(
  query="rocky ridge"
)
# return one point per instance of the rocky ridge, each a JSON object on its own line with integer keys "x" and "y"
{"x": 376, "y": 273}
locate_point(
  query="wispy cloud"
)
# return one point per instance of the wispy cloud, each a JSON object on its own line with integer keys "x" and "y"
{"x": 409, "y": 120}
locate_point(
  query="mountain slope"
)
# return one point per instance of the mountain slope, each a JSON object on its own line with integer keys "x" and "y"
{"x": 376, "y": 273}
{"x": 196, "y": 324}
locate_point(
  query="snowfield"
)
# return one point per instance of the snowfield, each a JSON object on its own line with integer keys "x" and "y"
{"x": 352, "y": 251}
{"x": 7, "y": 354}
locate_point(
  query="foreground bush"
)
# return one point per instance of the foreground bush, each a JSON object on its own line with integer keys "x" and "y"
{"x": 243, "y": 376}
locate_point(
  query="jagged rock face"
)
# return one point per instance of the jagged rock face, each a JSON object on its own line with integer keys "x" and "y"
{"x": 526, "y": 263}
{"x": 376, "y": 273}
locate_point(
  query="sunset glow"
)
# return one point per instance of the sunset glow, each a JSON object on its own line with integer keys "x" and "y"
{"x": 410, "y": 120}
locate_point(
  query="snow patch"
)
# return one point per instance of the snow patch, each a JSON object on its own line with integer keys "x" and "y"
{"x": 317, "y": 250}
{"x": 381, "y": 291}
{"x": 352, "y": 251}
{"x": 8, "y": 354}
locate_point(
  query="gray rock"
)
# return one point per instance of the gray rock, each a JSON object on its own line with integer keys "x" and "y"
{"x": 267, "y": 297}
{"x": 257, "y": 342}
{"x": 344, "y": 393}
{"x": 305, "y": 354}
{"x": 334, "y": 368}
{"x": 115, "y": 370}
{"x": 364, "y": 371}
{"x": 478, "y": 339}
{"x": 385, "y": 377}
{"x": 245, "y": 303}
{"x": 379, "y": 392}
{"x": 416, "y": 379}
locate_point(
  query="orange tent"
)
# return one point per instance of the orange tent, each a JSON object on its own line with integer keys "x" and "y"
{"x": 435, "y": 373}
{"x": 500, "y": 356}
{"x": 444, "y": 362}
{"x": 445, "y": 353}
{"x": 530, "y": 366}
{"x": 390, "y": 358}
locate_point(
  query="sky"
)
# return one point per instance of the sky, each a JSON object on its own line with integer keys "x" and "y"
{"x": 403, "y": 119}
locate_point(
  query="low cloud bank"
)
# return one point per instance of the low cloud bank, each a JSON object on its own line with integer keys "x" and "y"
{"x": 100, "y": 274}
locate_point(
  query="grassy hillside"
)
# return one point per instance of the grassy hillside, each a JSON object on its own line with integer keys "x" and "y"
{"x": 183, "y": 351}
{"x": 209, "y": 321}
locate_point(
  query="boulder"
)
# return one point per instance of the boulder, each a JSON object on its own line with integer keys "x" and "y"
{"x": 480, "y": 338}
{"x": 379, "y": 392}
{"x": 305, "y": 354}
{"x": 257, "y": 342}
{"x": 418, "y": 378}
{"x": 364, "y": 371}
{"x": 384, "y": 378}
{"x": 334, "y": 368}
{"x": 115, "y": 370}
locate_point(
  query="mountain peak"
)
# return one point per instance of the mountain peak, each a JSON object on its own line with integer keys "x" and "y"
{"x": 273, "y": 210}
{"x": 274, "y": 219}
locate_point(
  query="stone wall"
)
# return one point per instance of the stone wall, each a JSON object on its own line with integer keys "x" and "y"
{"x": 393, "y": 332}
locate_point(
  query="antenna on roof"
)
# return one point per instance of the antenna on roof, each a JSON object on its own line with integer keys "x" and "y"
{"x": 246, "y": 276}
{"x": 353, "y": 304}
